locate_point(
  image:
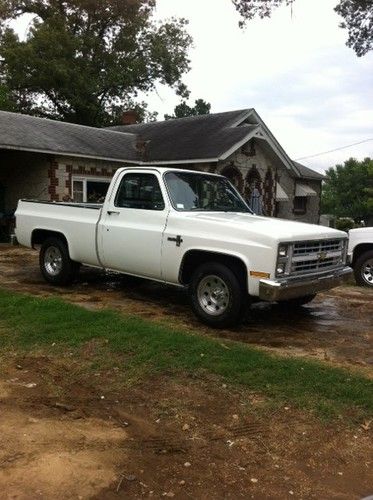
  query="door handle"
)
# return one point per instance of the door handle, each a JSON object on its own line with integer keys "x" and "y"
{"x": 111, "y": 212}
{"x": 178, "y": 240}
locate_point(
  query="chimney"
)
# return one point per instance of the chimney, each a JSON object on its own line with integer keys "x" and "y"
{"x": 141, "y": 147}
{"x": 130, "y": 117}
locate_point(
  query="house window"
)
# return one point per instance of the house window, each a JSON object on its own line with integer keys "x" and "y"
{"x": 78, "y": 191}
{"x": 300, "y": 205}
{"x": 89, "y": 190}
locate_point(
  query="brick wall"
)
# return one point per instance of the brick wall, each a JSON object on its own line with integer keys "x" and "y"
{"x": 250, "y": 167}
{"x": 63, "y": 169}
{"x": 285, "y": 210}
{"x": 43, "y": 177}
{"x": 30, "y": 175}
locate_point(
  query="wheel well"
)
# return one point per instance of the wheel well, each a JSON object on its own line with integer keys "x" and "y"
{"x": 40, "y": 235}
{"x": 360, "y": 249}
{"x": 195, "y": 258}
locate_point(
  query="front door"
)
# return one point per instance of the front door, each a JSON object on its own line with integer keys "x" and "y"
{"x": 132, "y": 226}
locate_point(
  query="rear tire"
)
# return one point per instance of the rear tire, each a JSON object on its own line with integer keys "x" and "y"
{"x": 55, "y": 264}
{"x": 298, "y": 302}
{"x": 363, "y": 269}
{"x": 217, "y": 295}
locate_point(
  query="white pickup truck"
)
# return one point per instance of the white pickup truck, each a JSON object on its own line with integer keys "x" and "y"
{"x": 188, "y": 229}
{"x": 360, "y": 255}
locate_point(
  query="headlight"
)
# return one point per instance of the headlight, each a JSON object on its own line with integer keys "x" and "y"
{"x": 282, "y": 251}
{"x": 282, "y": 259}
{"x": 281, "y": 268}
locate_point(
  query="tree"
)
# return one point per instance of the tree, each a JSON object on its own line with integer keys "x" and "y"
{"x": 357, "y": 18}
{"x": 348, "y": 189}
{"x": 84, "y": 59}
{"x": 6, "y": 99}
{"x": 182, "y": 110}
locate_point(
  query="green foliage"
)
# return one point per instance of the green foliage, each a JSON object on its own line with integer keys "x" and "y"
{"x": 6, "y": 101}
{"x": 84, "y": 59}
{"x": 347, "y": 191}
{"x": 345, "y": 224}
{"x": 182, "y": 110}
{"x": 357, "y": 18}
{"x": 31, "y": 323}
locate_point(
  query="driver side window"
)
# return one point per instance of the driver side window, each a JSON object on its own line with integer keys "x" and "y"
{"x": 141, "y": 191}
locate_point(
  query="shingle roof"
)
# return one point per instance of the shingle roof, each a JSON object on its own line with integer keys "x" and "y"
{"x": 29, "y": 133}
{"x": 191, "y": 138}
{"x": 308, "y": 173}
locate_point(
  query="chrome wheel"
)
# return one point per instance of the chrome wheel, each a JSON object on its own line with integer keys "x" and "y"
{"x": 53, "y": 261}
{"x": 213, "y": 295}
{"x": 367, "y": 272}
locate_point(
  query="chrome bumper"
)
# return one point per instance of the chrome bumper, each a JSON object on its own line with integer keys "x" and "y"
{"x": 291, "y": 288}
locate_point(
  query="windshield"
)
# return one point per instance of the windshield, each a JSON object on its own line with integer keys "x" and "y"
{"x": 202, "y": 192}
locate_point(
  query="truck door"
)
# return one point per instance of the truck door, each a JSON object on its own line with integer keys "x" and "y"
{"x": 132, "y": 225}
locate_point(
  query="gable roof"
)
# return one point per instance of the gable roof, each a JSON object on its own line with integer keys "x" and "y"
{"x": 206, "y": 138}
{"x": 308, "y": 173}
{"x": 28, "y": 133}
{"x": 197, "y": 138}
{"x": 194, "y": 139}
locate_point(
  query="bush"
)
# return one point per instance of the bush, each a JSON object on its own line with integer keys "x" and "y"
{"x": 345, "y": 224}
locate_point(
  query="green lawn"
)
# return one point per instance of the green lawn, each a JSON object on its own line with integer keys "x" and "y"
{"x": 29, "y": 323}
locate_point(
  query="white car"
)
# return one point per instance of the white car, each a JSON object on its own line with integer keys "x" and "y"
{"x": 188, "y": 229}
{"x": 360, "y": 255}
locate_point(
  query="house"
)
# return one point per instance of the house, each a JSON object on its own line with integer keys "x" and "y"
{"x": 52, "y": 160}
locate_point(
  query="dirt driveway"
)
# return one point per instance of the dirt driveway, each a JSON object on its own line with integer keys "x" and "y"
{"x": 72, "y": 433}
{"x": 337, "y": 327}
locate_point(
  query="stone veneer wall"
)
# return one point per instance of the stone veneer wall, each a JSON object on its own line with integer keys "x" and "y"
{"x": 285, "y": 210}
{"x": 31, "y": 175}
{"x": 62, "y": 170}
{"x": 247, "y": 168}
{"x": 250, "y": 166}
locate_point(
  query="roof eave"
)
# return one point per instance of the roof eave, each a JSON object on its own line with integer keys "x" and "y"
{"x": 282, "y": 153}
{"x": 65, "y": 153}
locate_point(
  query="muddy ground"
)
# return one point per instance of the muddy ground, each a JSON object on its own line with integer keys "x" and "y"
{"x": 68, "y": 433}
{"x": 336, "y": 327}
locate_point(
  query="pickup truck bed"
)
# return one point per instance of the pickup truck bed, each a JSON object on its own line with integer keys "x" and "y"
{"x": 76, "y": 221}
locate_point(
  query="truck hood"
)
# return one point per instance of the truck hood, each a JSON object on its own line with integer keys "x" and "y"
{"x": 277, "y": 229}
{"x": 358, "y": 236}
{"x": 361, "y": 232}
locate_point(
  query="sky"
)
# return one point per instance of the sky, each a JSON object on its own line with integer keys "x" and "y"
{"x": 311, "y": 90}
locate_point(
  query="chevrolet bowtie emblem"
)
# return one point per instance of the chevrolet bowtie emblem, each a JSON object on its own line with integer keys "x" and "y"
{"x": 322, "y": 255}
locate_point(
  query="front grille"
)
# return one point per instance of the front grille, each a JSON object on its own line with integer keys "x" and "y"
{"x": 307, "y": 247}
{"x": 313, "y": 256}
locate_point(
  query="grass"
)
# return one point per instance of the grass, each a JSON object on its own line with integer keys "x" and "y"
{"x": 31, "y": 323}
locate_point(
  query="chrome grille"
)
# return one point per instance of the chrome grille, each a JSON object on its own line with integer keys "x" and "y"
{"x": 306, "y": 247}
{"x": 313, "y": 256}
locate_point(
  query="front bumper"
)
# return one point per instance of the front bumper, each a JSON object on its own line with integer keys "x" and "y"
{"x": 291, "y": 288}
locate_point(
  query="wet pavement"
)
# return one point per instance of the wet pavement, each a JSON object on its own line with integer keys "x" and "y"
{"x": 336, "y": 327}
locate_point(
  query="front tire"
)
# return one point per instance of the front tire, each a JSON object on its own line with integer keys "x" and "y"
{"x": 363, "y": 269}
{"x": 55, "y": 264}
{"x": 217, "y": 295}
